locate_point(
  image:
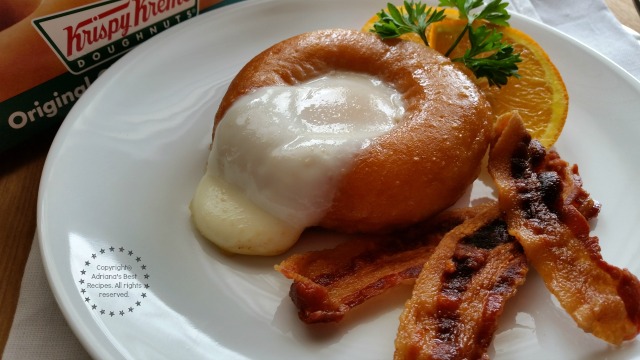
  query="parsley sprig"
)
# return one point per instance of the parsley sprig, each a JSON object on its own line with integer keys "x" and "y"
{"x": 496, "y": 67}
{"x": 416, "y": 20}
{"x": 487, "y": 56}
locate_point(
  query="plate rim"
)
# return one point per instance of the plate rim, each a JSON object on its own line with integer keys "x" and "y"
{"x": 76, "y": 322}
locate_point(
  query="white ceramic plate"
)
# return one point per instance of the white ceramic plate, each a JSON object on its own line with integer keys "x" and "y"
{"x": 120, "y": 175}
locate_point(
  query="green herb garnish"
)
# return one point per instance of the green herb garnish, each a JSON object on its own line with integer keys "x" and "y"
{"x": 416, "y": 20}
{"x": 496, "y": 67}
{"x": 487, "y": 57}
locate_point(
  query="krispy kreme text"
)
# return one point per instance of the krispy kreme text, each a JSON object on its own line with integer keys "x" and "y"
{"x": 53, "y": 49}
{"x": 86, "y": 36}
{"x": 116, "y": 22}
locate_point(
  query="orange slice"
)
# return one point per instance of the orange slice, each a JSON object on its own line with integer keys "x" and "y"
{"x": 539, "y": 95}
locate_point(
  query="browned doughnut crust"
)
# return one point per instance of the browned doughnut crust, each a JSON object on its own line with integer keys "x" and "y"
{"x": 425, "y": 163}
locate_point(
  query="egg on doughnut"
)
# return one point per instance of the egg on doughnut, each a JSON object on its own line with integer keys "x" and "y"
{"x": 340, "y": 129}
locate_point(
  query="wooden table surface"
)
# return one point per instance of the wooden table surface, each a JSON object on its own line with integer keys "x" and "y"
{"x": 20, "y": 170}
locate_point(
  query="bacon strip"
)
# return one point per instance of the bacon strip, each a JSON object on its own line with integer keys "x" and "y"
{"x": 461, "y": 292}
{"x": 329, "y": 283}
{"x": 550, "y": 222}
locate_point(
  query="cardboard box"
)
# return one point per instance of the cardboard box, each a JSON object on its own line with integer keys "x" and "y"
{"x": 53, "y": 50}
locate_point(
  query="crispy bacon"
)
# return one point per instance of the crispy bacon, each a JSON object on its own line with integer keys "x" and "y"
{"x": 572, "y": 193}
{"x": 328, "y": 283}
{"x": 547, "y": 212}
{"x": 461, "y": 292}
{"x": 469, "y": 262}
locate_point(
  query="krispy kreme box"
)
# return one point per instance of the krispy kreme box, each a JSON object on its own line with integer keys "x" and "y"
{"x": 51, "y": 51}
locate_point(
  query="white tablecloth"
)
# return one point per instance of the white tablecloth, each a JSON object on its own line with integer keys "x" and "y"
{"x": 590, "y": 22}
{"x": 40, "y": 331}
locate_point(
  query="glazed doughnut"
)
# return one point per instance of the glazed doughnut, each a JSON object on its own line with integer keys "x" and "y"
{"x": 424, "y": 163}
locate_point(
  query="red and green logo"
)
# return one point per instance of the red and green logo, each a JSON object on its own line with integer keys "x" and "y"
{"x": 87, "y": 36}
